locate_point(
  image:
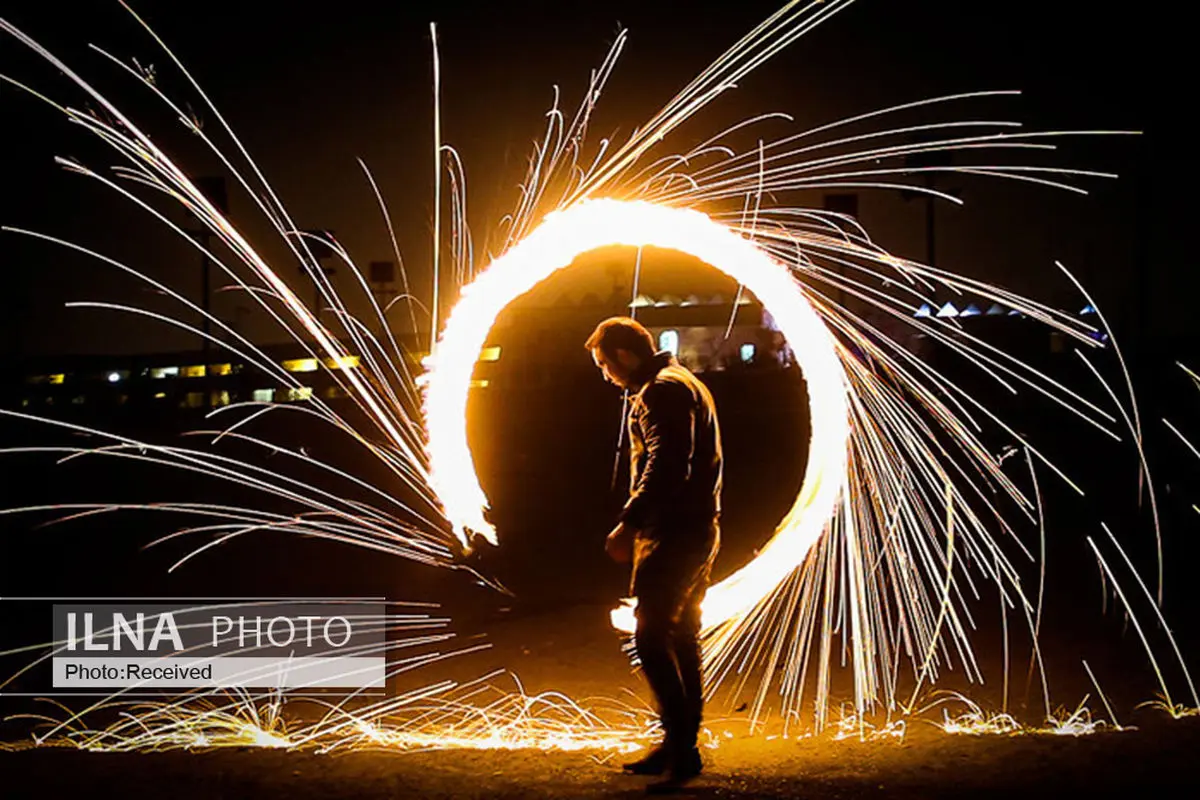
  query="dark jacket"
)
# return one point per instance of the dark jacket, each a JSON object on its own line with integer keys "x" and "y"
{"x": 675, "y": 451}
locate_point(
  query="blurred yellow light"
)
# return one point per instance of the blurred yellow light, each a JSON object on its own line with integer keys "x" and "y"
{"x": 220, "y": 369}
{"x": 56, "y": 378}
{"x": 342, "y": 362}
{"x": 489, "y": 354}
{"x": 300, "y": 365}
{"x": 194, "y": 371}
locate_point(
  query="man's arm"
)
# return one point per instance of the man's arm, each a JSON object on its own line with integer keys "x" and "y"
{"x": 666, "y": 419}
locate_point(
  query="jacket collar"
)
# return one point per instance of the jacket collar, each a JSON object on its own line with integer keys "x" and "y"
{"x": 650, "y": 369}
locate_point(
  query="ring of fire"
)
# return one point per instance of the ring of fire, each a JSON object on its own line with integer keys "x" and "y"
{"x": 555, "y": 244}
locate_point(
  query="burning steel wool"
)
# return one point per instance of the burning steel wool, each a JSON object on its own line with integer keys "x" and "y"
{"x": 902, "y": 505}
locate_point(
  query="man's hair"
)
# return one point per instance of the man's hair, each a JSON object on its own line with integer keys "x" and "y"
{"x": 624, "y": 333}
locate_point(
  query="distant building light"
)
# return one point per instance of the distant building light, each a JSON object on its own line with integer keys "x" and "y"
{"x": 160, "y": 395}
{"x": 642, "y": 301}
{"x": 113, "y": 377}
{"x": 948, "y": 310}
{"x": 340, "y": 362}
{"x": 971, "y": 311}
{"x": 263, "y": 395}
{"x": 194, "y": 400}
{"x": 479, "y": 383}
{"x": 489, "y": 354}
{"x": 193, "y": 371}
{"x": 300, "y": 365}
{"x": 669, "y": 340}
{"x": 996, "y": 310}
{"x": 78, "y": 400}
{"x": 220, "y": 369}
{"x": 925, "y": 310}
{"x": 298, "y": 393}
{"x": 220, "y": 398}
{"x": 164, "y": 372}
{"x": 56, "y": 378}
{"x": 747, "y": 353}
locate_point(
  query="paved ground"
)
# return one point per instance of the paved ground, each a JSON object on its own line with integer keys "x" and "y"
{"x": 1159, "y": 758}
{"x": 575, "y": 650}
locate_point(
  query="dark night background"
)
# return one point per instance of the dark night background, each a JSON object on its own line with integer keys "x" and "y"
{"x": 310, "y": 91}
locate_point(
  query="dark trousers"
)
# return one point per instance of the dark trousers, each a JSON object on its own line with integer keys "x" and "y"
{"x": 670, "y": 577}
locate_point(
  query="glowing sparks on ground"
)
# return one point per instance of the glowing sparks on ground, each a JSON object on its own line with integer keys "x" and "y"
{"x": 479, "y": 715}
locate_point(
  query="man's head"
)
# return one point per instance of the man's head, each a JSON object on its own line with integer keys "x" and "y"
{"x": 620, "y": 346}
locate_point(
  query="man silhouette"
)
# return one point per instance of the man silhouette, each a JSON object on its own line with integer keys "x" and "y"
{"x": 668, "y": 529}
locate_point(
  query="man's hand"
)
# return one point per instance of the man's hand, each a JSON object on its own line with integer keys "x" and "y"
{"x": 619, "y": 544}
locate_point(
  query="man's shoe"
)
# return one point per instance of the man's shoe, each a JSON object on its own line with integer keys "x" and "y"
{"x": 655, "y": 763}
{"x": 683, "y": 768}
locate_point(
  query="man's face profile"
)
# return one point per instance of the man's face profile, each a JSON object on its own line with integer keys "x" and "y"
{"x": 617, "y": 368}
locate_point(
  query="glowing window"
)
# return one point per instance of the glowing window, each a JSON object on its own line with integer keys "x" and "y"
{"x": 300, "y": 365}
{"x": 264, "y": 395}
{"x": 489, "y": 354}
{"x": 160, "y": 396}
{"x": 479, "y": 384}
{"x": 341, "y": 362}
{"x": 669, "y": 340}
{"x": 59, "y": 378}
{"x": 220, "y": 398}
{"x": 747, "y": 353}
{"x": 193, "y": 400}
{"x": 299, "y": 393}
{"x": 194, "y": 371}
{"x": 220, "y": 369}
{"x": 164, "y": 372}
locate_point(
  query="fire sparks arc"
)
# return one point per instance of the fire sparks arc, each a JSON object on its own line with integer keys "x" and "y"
{"x": 592, "y": 224}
